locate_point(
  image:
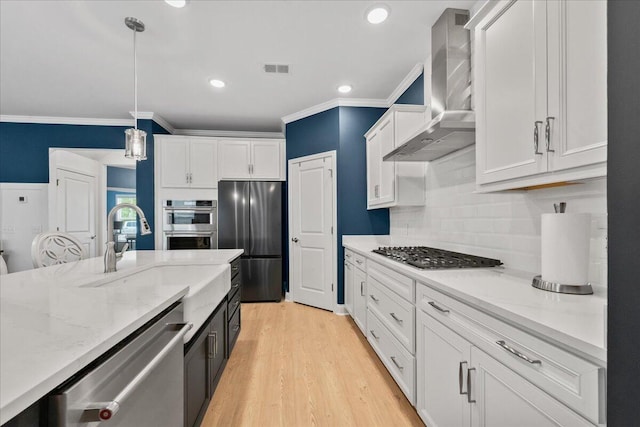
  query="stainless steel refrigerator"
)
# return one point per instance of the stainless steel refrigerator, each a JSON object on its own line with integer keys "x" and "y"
{"x": 250, "y": 218}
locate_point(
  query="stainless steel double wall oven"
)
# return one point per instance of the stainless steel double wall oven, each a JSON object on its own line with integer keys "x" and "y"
{"x": 190, "y": 224}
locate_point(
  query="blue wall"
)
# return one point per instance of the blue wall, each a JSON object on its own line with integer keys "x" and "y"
{"x": 414, "y": 93}
{"x": 342, "y": 129}
{"x": 24, "y": 155}
{"x": 121, "y": 177}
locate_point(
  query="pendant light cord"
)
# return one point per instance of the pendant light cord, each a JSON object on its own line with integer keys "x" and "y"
{"x": 135, "y": 82}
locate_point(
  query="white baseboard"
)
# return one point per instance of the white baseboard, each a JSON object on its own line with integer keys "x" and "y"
{"x": 340, "y": 310}
{"x": 287, "y": 297}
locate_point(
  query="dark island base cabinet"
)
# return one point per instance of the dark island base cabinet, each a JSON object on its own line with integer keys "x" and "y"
{"x": 204, "y": 361}
{"x": 207, "y": 353}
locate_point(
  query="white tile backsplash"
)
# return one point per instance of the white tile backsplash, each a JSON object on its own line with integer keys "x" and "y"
{"x": 504, "y": 225}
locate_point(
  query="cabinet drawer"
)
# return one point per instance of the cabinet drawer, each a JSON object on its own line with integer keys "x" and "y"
{"x": 235, "y": 269}
{"x": 235, "y": 286}
{"x": 567, "y": 377}
{"x": 234, "y": 303}
{"x": 398, "y": 361}
{"x": 401, "y": 285}
{"x": 397, "y": 314}
{"x": 234, "y": 330}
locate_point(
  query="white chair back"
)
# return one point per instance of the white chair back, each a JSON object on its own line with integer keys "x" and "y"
{"x": 55, "y": 248}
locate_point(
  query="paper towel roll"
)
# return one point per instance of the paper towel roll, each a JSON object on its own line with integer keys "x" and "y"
{"x": 565, "y": 248}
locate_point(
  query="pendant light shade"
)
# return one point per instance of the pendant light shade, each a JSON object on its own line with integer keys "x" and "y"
{"x": 135, "y": 139}
{"x": 135, "y": 144}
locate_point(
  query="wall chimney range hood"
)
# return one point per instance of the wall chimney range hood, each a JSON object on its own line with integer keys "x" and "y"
{"x": 453, "y": 123}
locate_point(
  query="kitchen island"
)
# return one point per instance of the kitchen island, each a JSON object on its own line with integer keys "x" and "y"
{"x": 55, "y": 321}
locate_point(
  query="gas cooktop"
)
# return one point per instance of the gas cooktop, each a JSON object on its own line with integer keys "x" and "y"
{"x": 432, "y": 258}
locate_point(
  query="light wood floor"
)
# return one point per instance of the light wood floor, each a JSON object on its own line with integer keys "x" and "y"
{"x": 298, "y": 366}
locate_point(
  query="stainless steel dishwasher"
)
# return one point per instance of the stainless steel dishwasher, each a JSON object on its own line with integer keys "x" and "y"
{"x": 139, "y": 383}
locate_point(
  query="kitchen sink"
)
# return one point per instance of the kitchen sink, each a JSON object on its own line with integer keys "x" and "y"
{"x": 208, "y": 285}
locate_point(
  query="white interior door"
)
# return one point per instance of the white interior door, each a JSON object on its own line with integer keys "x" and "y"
{"x": 311, "y": 202}
{"x": 76, "y": 202}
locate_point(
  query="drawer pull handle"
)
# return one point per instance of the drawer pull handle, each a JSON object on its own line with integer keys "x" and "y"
{"x": 235, "y": 268}
{"x": 516, "y": 353}
{"x": 348, "y": 256}
{"x": 236, "y": 285}
{"x": 373, "y": 334}
{"x": 437, "y": 307}
{"x": 373, "y": 297}
{"x": 395, "y": 362}
{"x": 235, "y": 304}
{"x": 396, "y": 318}
{"x": 461, "y": 379}
{"x": 359, "y": 261}
{"x": 468, "y": 393}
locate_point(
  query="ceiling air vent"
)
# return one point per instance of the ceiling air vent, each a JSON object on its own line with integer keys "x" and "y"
{"x": 276, "y": 68}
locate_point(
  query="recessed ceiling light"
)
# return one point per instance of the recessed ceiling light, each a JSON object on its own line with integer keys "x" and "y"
{"x": 176, "y": 3}
{"x": 377, "y": 13}
{"x": 217, "y": 83}
{"x": 344, "y": 88}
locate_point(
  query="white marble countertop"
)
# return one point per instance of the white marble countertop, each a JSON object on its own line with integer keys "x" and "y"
{"x": 574, "y": 322}
{"x": 53, "y": 322}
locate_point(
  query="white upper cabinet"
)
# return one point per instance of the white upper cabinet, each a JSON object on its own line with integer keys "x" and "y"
{"x": 259, "y": 159}
{"x": 187, "y": 162}
{"x": 394, "y": 183}
{"x": 540, "y": 81}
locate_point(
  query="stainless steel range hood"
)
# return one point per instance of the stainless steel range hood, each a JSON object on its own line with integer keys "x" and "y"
{"x": 453, "y": 123}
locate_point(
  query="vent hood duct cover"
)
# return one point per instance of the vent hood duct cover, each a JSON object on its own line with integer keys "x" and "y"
{"x": 453, "y": 124}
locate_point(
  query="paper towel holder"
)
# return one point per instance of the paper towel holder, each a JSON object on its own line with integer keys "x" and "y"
{"x": 561, "y": 288}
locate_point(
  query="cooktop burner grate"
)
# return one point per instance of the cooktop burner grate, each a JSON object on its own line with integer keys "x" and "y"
{"x": 432, "y": 258}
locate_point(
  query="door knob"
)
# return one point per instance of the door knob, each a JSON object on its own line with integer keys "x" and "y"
{"x": 93, "y": 237}
{"x": 294, "y": 240}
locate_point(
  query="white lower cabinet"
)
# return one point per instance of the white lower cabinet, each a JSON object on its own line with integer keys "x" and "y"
{"x": 355, "y": 288}
{"x": 348, "y": 287}
{"x": 502, "y": 398}
{"x": 395, "y": 357}
{"x": 443, "y": 359}
{"x": 360, "y": 299}
{"x": 461, "y": 384}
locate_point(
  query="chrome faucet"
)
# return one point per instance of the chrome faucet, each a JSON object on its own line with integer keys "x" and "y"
{"x": 111, "y": 257}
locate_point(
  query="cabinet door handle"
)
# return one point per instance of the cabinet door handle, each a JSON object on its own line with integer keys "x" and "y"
{"x": 468, "y": 393}
{"x": 186, "y": 177}
{"x": 374, "y": 298}
{"x": 377, "y": 191}
{"x": 536, "y": 137}
{"x": 237, "y": 303}
{"x": 211, "y": 344}
{"x": 396, "y": 318}
{"x": 460, "y": 378}
{"x": 395, "y": 362}
{"x": 437, "y": 307}
{"x": 235, "y": 328}
{"x": 516, "y": 353}
{"x": 373, "y": 334}
{"x": 361, "y": 289}
{"x": 348, "y": 255}
{"x": 547, "y": 134}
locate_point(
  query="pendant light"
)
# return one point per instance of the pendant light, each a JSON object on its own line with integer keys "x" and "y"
{"x": 135, "y": 139}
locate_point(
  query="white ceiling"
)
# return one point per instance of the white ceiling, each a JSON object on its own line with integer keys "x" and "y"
{"x": 75, "y": 58}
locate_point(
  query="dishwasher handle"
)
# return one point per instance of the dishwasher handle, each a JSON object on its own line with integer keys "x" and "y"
{"x": 104, "y": 411}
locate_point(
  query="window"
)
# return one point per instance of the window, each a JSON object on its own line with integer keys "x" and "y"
{"x": 126, "y": 213}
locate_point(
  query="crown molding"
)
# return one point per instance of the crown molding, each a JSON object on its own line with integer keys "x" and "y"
{"x": 359, "y": 102}
{"x": 336, "y": 102}
{"x": 150, "y": 115}
{"x": 85, "y": 121}
{"x": 405, "y": 83}
{"x": 228, "y": 133}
